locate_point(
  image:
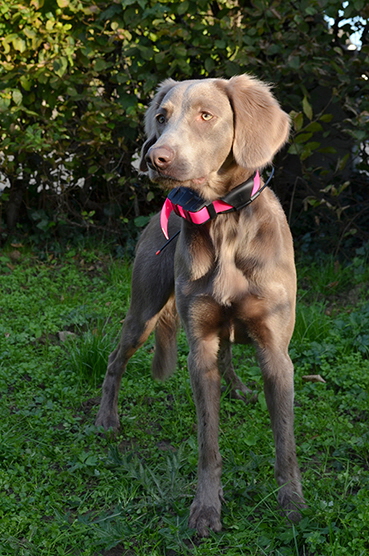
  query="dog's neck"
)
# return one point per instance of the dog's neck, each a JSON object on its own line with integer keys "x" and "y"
{"x": 188, "y": 204}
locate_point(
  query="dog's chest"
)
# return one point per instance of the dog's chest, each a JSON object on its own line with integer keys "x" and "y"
{"x": 212, "y": 261}
{"x": 229, "y": 283}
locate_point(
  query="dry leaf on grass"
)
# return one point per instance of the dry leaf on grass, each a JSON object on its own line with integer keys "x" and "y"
{"x": 313, "y": 378}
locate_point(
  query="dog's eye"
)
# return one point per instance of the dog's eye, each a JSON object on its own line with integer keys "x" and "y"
{"x": 206, "y": 116}
{"x": 160, "y": 118}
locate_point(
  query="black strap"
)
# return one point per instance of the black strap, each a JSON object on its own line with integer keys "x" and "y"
{"x": 238, "y": 198}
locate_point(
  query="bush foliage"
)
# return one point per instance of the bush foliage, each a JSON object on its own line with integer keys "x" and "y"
{"x": 75, "y": 77}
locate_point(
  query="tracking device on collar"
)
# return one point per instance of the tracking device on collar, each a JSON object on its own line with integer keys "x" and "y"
{"x": 188, "y": 204}
{"x": 189, "y": 200}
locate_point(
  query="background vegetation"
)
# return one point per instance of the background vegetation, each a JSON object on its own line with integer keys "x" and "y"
{"x": 76, "y": 75}
{"x": 65, "y": 490}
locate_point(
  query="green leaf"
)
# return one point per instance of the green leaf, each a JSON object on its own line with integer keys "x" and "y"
{"x": 314, "y": 127}
{"x": 305, "y": 154}
{"x": 328, "y": 150}
{"x": 60, "y": 66}
{"x": 25, "y": 82}
{"x": 298, "y": 121}
{"x": 37, "y": 4}
{"x": 182, "y": 7}
{"x": 30, "y": 33}
{"x": 17, "y": 97}
{"x": 19, "y": 44}
{"x": 221, "y": 44}
{"x": 50, "y": 24}
{"x": 141, "y": 221}
{"x": 326, "y": 118}
{"x": 308, "y": 149}
{"x": 100, "y": 65}
{"x": 294, "y": 149}
{"x": 302, "y": 137}
{"x": 313, "y": 145}
{"x": 4, "y": 104}
{"x": 294, "y": 62}
{"x": 209, "y": 65}
{"x": 342, "y": 162}
{"x": 45, "y": 224}
{"x": 307, "y": 108}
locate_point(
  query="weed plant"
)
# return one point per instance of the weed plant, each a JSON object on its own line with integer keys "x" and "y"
{"x": 67, "y": 490}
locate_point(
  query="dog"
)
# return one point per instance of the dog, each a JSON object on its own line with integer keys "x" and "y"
{"x": 227, "y": 273}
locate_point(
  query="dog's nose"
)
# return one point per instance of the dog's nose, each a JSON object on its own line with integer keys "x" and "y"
{"x": 160, "y": 157}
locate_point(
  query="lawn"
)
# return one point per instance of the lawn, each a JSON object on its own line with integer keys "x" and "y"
{"x": 67, "y": 490}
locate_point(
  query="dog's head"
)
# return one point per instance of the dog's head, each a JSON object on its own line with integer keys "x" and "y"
{"x": 200, "y": 133}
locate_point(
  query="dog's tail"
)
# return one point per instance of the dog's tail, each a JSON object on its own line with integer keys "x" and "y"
{"x": 165, "y": 356}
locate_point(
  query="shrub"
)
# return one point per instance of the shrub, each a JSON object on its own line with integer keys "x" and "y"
{"x": 75, "y": 78}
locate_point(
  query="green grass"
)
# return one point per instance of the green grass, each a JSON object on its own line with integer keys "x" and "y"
{"x": 66, "y": 490}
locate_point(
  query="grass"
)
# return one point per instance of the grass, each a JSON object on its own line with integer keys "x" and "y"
{"x": 66, "y": 490}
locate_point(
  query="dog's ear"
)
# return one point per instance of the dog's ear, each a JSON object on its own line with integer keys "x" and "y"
{"x": 261, "y": 126}
{"x": 163, "y": 88}
{"x": 145, "y": 147}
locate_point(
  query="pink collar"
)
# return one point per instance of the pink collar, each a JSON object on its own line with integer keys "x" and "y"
{"x": 186, "y": 203}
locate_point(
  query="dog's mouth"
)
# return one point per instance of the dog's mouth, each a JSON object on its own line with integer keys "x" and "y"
{"x": 169, "y": 181}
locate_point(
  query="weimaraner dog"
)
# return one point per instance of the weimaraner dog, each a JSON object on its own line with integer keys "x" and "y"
{"x": 229, "y": 272}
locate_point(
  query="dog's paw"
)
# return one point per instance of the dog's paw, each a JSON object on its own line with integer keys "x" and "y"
{"x": 292, "y": 503}
{"x": 109, "y": 421}
{"x": 203, "y": 518}
{"x": 244, "y": 394}
{"x": 237, "y": 389}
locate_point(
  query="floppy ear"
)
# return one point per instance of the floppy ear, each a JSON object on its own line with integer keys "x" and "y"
{"x": 145, "y": 147}
{"x": 261, "y": 127}
{"x": 163, "y": 88}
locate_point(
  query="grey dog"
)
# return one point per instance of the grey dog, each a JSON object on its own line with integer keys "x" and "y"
{"x": 230, "y": 277}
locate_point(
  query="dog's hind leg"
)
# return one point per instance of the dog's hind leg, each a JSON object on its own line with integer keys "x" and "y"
{"x": 238, "y": 390}
{"x": 152, "y": 304}
{"x": 134, "y": 333}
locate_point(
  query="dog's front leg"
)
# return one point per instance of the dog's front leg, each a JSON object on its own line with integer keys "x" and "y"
{"x": 205, "y": 379}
